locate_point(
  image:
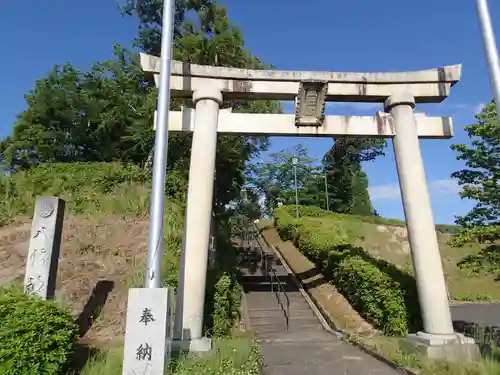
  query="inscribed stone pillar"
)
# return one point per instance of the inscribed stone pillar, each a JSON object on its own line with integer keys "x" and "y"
{"x": 148, "y": 335}
{"x": 44, "y": 247}
{"x": 195, "y": 246}
{"x": 422, "y": 236}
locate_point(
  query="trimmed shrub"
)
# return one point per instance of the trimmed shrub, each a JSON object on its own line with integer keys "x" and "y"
{"x": 317, "y": 240}
{"x": 287, "y": 226}
{"x": 306, "y": 211}
{"x": 382, "y": 293}
{"x": 373, "y": 293}
{"x": 37, "y": 337}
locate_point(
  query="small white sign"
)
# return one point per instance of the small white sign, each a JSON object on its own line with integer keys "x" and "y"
{"x": 148, "y": 335}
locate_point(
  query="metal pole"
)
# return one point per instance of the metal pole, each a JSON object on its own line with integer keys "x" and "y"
{"x": 155, "y": 238}
{"x": 296, "y": 192}
{"x": 326, "y": 194}
{"x": 490, "y": 48}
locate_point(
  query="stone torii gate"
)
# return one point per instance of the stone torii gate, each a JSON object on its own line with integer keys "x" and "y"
{"x": 207, "y": 86}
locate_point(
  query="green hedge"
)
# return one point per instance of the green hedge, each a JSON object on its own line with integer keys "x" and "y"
{"x": 36, "y": 337}
{"x": 383, "y": 294}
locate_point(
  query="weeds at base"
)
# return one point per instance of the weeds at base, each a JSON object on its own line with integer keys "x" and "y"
{"x": 231, "y": 356}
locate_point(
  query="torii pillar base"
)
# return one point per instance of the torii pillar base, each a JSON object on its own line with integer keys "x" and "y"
{"x": 203, "y": 344}
{"x": 456, "y": 347}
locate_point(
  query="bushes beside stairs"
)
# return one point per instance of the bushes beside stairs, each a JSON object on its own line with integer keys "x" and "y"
{"x": 383, "y": 294}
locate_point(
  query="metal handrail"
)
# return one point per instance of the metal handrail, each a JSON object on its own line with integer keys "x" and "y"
{"x": 286, "y": 311}
{"x": 274, "y": 277}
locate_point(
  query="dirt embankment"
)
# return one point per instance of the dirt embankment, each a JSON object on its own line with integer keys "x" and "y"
{"x": 98, "y": 259}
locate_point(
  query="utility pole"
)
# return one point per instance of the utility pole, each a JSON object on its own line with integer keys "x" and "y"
{"x": 490, "y": 49}
{"x": 295, "y": 161}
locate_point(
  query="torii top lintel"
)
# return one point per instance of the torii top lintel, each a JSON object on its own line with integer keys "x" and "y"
{"x": 427, "y": 86}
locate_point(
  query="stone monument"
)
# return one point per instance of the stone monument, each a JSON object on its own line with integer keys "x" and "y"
{"x": 44, "y": 247}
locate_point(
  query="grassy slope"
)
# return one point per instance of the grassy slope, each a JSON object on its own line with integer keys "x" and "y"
{"x": 387, "y": 239}
{"x": 391, "y": 243}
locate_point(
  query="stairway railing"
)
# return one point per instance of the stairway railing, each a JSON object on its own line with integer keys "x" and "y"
{"x": 281, "y": 289}
{"x": 277, "y": 286}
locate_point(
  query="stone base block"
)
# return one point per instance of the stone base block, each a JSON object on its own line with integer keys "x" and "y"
{"x": 456, "y": 347}
{"x": 203, "y": 344}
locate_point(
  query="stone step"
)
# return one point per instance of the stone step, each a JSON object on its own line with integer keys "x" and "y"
{"x": 254, "y": 280}
{"x": 281, "y": 328}
{"x": 274, "y": 332}
{"x": 251, "y": 271}
{"x": 278, "y": 313}
{"x": 306, "y": 337}
{"x": 292, "y": 294}
{"x": 269, "y": 304}
{"x": 306, "y": 321}
{"x": 268, "y": 296}
{"x": 262, "y": 284}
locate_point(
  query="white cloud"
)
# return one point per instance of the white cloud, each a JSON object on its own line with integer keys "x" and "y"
{"x": 478, "y": 108}
{"x": 443, "y": 187}
{"x": 437, "y": 188}
{"x": 384, "y": 192}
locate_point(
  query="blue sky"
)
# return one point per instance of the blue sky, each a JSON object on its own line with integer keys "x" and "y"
{"x": 335, "y": 35}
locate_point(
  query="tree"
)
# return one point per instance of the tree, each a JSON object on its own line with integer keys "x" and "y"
{"x": 275, "y": 179}
{"x": 207, "y": 37}
{"x": 150, "y": 16}
{"x": 101, "y": 115}
{"x": 347, "y": 183}
{"x": 480, "y": 181}
{"x": 247, "y": 207}
{"x": 107, "y": 113}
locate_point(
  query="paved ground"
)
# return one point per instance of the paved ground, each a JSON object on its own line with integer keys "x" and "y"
{"x": 480, "y": 320}
{"x": 484, "y": 314}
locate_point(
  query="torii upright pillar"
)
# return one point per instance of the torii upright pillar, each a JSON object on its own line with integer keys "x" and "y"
{"x": 196, "y": 240}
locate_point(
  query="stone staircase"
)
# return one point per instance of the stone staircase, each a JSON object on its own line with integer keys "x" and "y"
{"x": 291, "y": 337}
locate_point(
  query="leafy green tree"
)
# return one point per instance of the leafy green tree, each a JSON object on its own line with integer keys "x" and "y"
{"x": 312, "y": 192}
{"x": 208, "y": 38}
{"x": 480, "y": 182}
{"x": 347, "y": 183}
{"x": 275, "y": 179}
{"x": 247, "y": 207}
{"x": 107, "y": 113}
{"x": 150, "y": 16}
{"x": 100, "y": 115}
